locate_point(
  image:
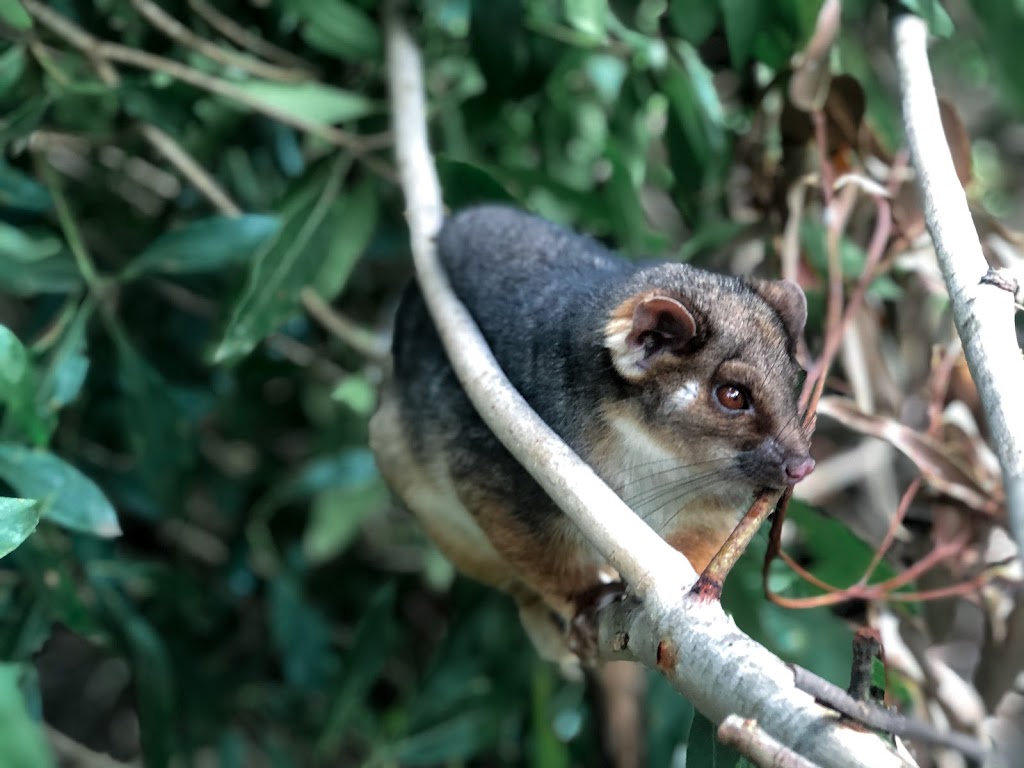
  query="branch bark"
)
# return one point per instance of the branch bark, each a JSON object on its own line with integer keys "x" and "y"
{"x": 983, "y": 313}
{"x": 718, "y": 668}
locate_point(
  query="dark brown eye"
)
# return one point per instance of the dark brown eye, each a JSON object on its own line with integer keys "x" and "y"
{"x": 733, "y": 397}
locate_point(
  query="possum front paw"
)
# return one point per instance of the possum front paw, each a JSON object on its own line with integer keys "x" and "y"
{"x": 582, "y": 630}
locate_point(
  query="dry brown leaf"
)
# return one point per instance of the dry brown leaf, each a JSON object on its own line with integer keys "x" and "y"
{"x": 939, "y": 468}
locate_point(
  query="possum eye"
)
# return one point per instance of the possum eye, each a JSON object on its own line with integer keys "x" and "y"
{"x": 733, "y": 397}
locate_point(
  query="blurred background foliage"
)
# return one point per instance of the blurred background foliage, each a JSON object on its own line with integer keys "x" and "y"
{"x": 201, "y": 240}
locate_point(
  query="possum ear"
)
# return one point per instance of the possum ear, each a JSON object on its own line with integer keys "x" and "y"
{"x": 656, "y": 326}
{"x": 787, "y": 298}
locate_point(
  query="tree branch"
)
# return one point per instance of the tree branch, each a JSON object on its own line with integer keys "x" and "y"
{"x": 699, "y": 649}
{"x": 983, "y": 313}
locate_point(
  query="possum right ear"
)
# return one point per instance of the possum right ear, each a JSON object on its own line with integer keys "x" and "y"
{"x": 645, "y": 328}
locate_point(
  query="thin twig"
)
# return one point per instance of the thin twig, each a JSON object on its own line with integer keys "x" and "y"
{"x": 182, "y": 35}
{"x": 984, "y": 314}
{"x": 243, "y": 38}
{"x": 104, "y": 53}
{"x": 191, "y": 169}
{"x": 886, "y": 720}
{"x": 370, "y": 345}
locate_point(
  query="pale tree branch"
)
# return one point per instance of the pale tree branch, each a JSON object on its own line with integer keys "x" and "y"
{"x": 700, "y": 650}
{"x": 983, "y": 313}
{"x": 747, "y": 737}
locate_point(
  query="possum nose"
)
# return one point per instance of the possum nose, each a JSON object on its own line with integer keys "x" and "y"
{"x": 798, "y": 469}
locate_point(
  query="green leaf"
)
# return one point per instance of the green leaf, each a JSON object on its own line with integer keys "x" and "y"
{"x": 693, "y": 20}
{"x": 17, "y": 244}
{"x": 338, "y": 28}
{"x": 12, "y": 67}
{"x": 14, "y": 363}
{"x": 18, "y": 518}
{"x": 315, "y": 102}
{"x": 300, "y": 633}
{"x": 939, "y": 22}
{"x": 354, "y": 225}
{"x": 357, "y": 393}
{"x": 18, "y": 387}
{"x": 24, "y": 745}
{"x": 336, "y": 515}
{"x": 57, "y": 274}
{"x": 13, "y": 14}
{"x": 157, "y": 428}
{"x": 23, "y": 119}
{"x": 743, "y": 20}
{"x": 588, "y": 16}
{"x": 283, "y": 266}
{"x": 206, "y": 245}
{"x": 67, "y": 367}
{"x": 151, "y": 668}
{"x": 466, "y": 184}
{"x": 696, "y": 136}
{"x": 66, "y": 496}
{"x": 703, "y": 750}
{"x": 450, "y": 15}
{"x": 347, "y": 469}
{"x": 373, "y": 641}
{"x": 22, "y": 192}
{"x": 629, "y": 223}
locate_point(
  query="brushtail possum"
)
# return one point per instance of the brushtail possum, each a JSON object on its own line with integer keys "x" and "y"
{"x": 677, "y": 385}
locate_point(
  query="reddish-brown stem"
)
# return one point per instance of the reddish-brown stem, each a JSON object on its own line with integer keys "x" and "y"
{"x": 894, "y": 526}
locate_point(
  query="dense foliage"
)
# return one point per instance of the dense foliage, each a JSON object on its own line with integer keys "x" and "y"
{"x": 210, "y": 569}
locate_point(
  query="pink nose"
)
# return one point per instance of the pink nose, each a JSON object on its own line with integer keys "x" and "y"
{"x": 798, "y": 469}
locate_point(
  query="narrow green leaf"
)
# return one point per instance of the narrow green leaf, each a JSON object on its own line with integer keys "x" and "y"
{"x": 19, "y": 245}
{"x": 23, "y": 119}
{"x": 12, "y": 67}
{"x": 13, "y": 14}
{"x": 22, "y": 192}
{"x": 355, "y": 223}
{"x": 152, "y": 671}
{"x": 67, "y": 366}
{"x": 588, "y": 16}
{"x": 57, "y": 274}
{"x": 18, "y": 387}
{"x": 338, "y": 28}
{"x": 206, "y": 245}
{"x": 301, "y": 634}
{"x": 24, "y": 745}
{"x": 743, "y": 20}
{"x": 14, "y": 363}
{"x": 371, "y": 647}
{"x": 66, "y": 496}
{"x": 283, "y": 266}
{"x": 453, "y": 741}
{"x": 18, "y": 518}
{"x": 315, "y": 102}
